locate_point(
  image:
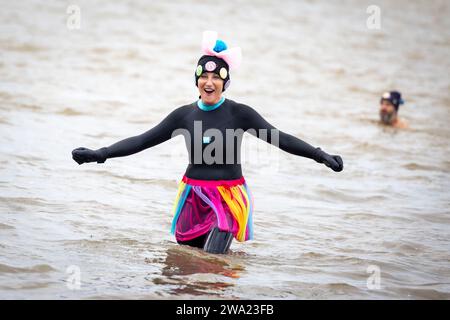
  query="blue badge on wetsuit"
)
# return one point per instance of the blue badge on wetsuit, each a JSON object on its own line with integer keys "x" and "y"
{"x": 206, "y": 139}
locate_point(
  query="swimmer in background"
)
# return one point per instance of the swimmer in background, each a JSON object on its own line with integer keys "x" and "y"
{"x": 389, "y": 105}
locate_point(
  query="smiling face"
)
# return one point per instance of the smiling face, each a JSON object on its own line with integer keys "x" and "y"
{"x": 210, "y": 87}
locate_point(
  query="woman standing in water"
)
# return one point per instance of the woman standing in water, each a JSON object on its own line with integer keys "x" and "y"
{"x": 213, "y": 203}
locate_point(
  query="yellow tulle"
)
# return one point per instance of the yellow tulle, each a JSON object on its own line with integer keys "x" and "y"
{"x": 239, "y": 209}
{"x": 181, "y": 187}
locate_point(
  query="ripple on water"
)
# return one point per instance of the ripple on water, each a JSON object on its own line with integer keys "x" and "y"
{"x": 6, "y": 227}
{"x": 422, "y": 293}
{"x": 40, "y": 268}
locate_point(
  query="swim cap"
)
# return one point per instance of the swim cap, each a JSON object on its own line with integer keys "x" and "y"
{"x": 393, "y": 97}
{"x": 217, "y": 58}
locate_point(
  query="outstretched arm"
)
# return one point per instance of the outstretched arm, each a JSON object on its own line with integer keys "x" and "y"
{"x": 158, "y": 134}
{"x": 286, "y": 142}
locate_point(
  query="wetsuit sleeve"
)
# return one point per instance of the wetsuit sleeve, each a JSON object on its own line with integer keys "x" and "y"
{"x": 256, "y": 125}
{"x": 158, "y": 134}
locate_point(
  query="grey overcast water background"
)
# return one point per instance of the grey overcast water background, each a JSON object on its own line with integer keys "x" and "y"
{"x": 311, "y": 68}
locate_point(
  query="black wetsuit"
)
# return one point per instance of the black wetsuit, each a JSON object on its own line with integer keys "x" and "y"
{"x": 202, "y": 131}
{"x": 230, "y": 115}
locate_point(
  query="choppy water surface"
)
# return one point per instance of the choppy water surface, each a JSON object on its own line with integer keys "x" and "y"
{"x": 313, "y": 69}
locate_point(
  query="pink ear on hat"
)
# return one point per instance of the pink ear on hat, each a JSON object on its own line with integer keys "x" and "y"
{"x": 208, "y": 42}
{"x": 232, "y": 56}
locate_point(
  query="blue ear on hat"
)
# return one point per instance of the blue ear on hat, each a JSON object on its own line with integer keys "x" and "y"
{"x": 220, "y": 46}
{"x": 394, "y": 97}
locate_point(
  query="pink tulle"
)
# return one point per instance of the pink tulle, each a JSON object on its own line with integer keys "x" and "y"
{"x": 232, "y": 56}
{"x": 199, "y": 216}
{"x": 213, "y": 183}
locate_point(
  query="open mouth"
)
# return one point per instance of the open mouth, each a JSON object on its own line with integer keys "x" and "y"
{"x": 209, "y": 91}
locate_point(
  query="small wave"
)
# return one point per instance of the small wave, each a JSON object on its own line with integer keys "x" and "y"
{"x": 415, "y": 55}
{"x": 416, "y": 293}
{"x": 5, "y": 227}
{"x": 447, "y": 165}
{"x": 93, "y": 243}
{"x": 347, "y": 196}
{"x": 372, "y": 216}
{"x": 5, "y": 96}
{"x": 26, "y": 106}
{"x": 24, "y": 201}
{"x": 341, "y": 286}
{"x": 441, "y": 218}
{"x": 101, "y": 50}
{"x": 29, "y": 158}
{"x": 179, "y": 287}
{"x": 4, "y": 121}
{"x": 23, "y": 47}
{"x": 171, "y": 184}
{"x": 363, "y": 216}
{"x": 417, "y": 166}
{"x": 70, "y": 112}
{"x": 40, "y": 268}
{"x": 367, "y": 147}
{"x": 404, "y": 248}
{"x": 313, "y": 255}
{"x": 365, "y": 90}
{"x": 27, "y": 286}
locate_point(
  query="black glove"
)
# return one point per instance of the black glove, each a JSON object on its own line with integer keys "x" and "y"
{"x": 82, "y": 155}
{"x": 331, "y": 161}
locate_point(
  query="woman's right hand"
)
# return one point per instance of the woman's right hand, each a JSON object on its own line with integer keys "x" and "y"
{"x": 82, "y": 155}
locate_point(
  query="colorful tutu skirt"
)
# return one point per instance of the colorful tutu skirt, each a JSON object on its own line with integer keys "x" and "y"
{"x": 201, "y": 205}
